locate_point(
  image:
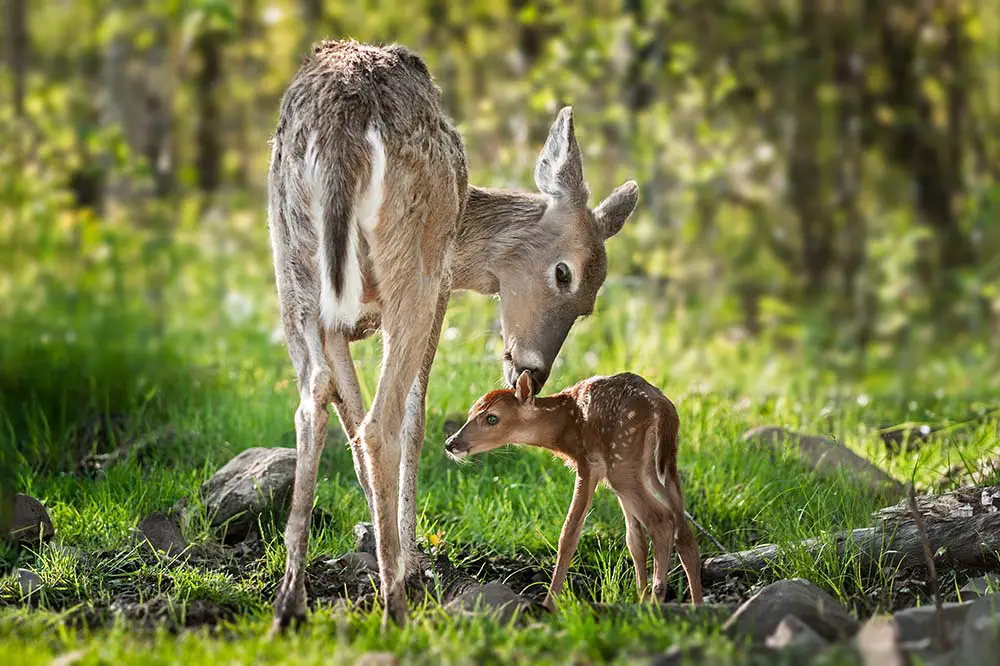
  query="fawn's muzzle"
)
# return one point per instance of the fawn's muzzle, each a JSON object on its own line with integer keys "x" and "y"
{"x": 455, "y": 447}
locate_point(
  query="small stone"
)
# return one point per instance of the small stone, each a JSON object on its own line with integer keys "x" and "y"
{"x": 760, "y": 615}
{"x": 32, "y": 524}
{"x": 377, "y": 659}
{"x": 161, "y": 533}
{"x": 29, "y": 581}
{"x": 492, "y": 598}
{"x": 980, "y": 587}
{"x": 357, "y": 561}
{"x": 364, "y": 538}
{"x": 794, "y": 634}
{"x": 254, "y": 483}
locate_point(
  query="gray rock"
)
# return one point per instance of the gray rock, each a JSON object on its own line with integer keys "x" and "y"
{"x": 827, "y": 457}
{"x": 917, "y": 628}
{"x": 32, "y": 524}
{"x": 760, "y": 615}
{"x": 492, "y": 599}
{"x": 377, "y": 659}
{"x": 357, "y": 561}
{"x": 795, "y": 635}
{"x": 254, "y": 483}
{"x": 980, "y": 587}
{"x": 29, "y": 581}
{"x": 161, "y": 533}
{"x": 980, "y": 639}
{"x": 364, "y": 538}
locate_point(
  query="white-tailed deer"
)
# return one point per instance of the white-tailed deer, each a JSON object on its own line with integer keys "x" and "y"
{"x": 619, "y": 429}
{"x": 372, "y": 226}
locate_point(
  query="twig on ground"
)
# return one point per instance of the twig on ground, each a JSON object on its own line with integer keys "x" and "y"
{"x": 718, "y": 544}
{"x": 918, "y": 518}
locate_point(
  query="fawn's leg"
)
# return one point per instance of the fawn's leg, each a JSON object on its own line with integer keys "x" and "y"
{"x": 638, "y": 548}
{"x": 583, "y": 493}
{"x": 659, "y": 521}
{"x": 687, "y": 544}
{"x": 413, "y": 441}
{"x": 315, "y": 385}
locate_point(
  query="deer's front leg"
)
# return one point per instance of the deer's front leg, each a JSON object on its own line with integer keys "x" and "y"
{"x": 413, "y": 441}
{"x": 583, "y": 493}
{"x": 311, "y": 417}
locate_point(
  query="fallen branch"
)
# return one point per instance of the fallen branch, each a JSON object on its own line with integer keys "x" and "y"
{"x": 964, "y": 525}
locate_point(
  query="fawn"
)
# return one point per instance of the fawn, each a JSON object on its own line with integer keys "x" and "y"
{"x": 619, "y": 429}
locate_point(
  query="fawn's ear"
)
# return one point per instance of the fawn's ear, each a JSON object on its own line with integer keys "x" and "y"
{"x": 559, "y": 170}
{"x": 522, "y": 389}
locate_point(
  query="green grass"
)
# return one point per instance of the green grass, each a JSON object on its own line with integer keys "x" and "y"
{"x": 510, "y": 503}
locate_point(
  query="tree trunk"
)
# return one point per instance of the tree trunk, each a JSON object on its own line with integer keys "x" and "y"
{"x": 963, "y": 529}
{"x": 208, "y": 132}
{"x": 17, "y": 51}
{"x": 248, "y": 32}
{"x": 312, "y": 16}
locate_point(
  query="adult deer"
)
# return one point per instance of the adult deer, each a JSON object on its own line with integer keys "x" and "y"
{"x": 372, "y": 225}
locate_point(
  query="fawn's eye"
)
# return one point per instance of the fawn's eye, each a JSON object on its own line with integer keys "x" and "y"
{"x": 491, "y": 419}
{"x": 564, "y": 276}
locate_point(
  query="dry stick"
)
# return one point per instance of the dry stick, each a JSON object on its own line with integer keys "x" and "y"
{"x": 722, "y": 549}
{"x": 918, "y": 518}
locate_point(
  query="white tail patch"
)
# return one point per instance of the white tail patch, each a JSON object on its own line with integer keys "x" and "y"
{"x": 346, "y": 309}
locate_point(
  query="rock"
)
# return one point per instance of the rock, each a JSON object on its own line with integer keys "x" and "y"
{"x": 708, "y": 613}
{"x": 758, "y": 618}
{"x": 980, "y": 639}
{"x": 827, "y": 457}
{"x": 917, "y": 628}
{"x": 795, "y": 635}
{"x": 357, "y": 561}
{"x": 31, "y": 525}
{"x": 980, "y": 587}
{"x": 452, "y": 423}
{"x": 29, "y": 581}
{"x": 878, "y": 643}
{"x": 364, "y": 538}
{"x": 161, "y": 533}
{"x": 492, "y": 598}
{"x": 254, "y": 483}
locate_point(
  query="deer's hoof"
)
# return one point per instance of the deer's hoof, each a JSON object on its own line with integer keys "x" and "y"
{"x": 289, "y": 608}
{"x": 395, "y": 608}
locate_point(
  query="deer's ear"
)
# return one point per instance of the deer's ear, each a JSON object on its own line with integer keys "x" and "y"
{"x": 559, "y": 171}
{"x": 522, "y": 389}
{"x": 616, "y": 208}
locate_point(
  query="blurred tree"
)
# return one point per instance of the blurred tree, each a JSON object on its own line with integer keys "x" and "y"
{"x": 17, "y": 51}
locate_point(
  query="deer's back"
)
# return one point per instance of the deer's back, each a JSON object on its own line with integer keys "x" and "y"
{"x": 344, "y": 86}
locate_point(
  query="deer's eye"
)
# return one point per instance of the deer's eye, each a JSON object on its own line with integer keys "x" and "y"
{"x": 564, "y": 276}
{"x": 491, "y": 419}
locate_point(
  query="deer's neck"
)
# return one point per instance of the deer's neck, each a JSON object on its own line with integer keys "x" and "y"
{"x": 561, "y": 425}
{"x": 495, "y": 224}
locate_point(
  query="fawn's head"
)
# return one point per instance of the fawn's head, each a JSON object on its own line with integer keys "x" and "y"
{"x": 498, "y": 418}
{"x": 546, "y": 285}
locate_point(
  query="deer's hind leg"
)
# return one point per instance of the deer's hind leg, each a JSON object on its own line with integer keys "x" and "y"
{"x": 638, "y": 548}
{"x": 687, "y": 544}
{"x": 305, "y": 344}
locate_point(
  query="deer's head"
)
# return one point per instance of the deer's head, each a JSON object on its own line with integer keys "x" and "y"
{"x": 498, "y": 418}
{"x": 547, "y": 284}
